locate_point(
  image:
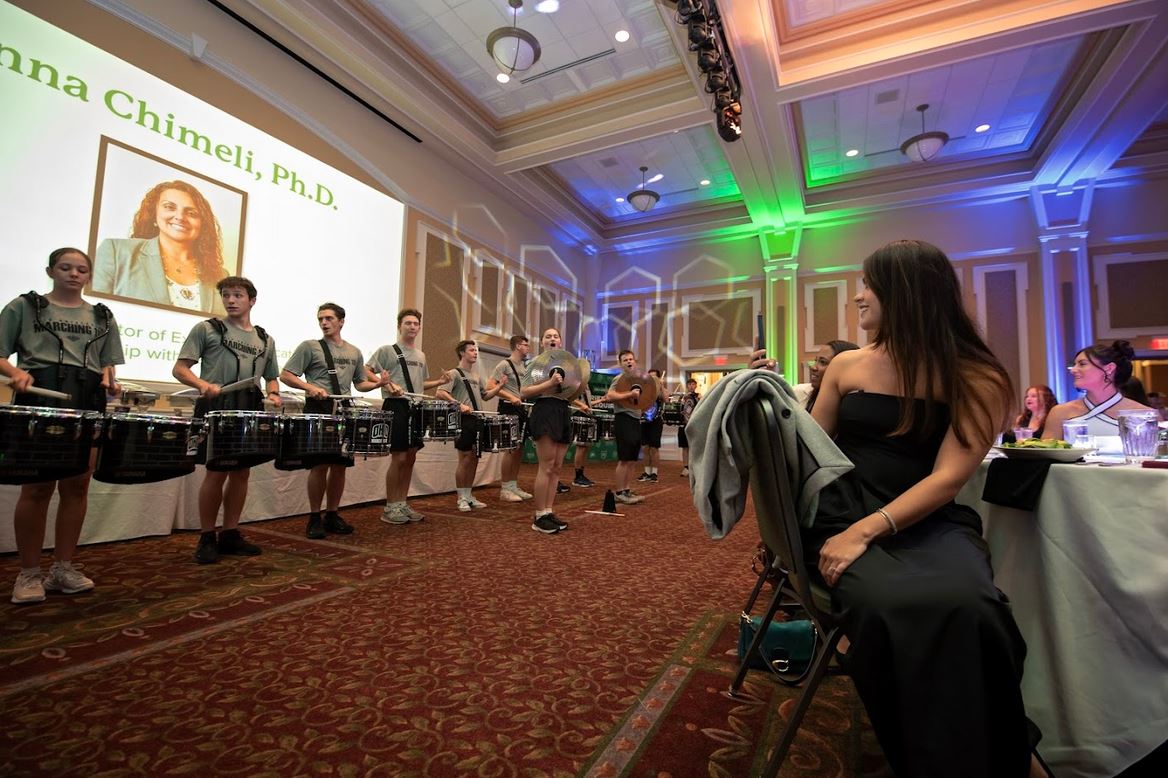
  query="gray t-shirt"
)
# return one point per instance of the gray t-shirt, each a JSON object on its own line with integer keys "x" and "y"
{"x": 217, "y": 363}
{"x": 385, "y": 359}
{"x": 506, "y": 372}
{"x": 458, "y": 391}
{"x": 77, "y": 328}
{"x": 308, "y": 361}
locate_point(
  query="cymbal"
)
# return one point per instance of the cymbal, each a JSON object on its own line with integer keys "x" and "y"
{"x": 628, "y": 379}
{"x": 585, "y": 375}
{"x": 557, "y": 360}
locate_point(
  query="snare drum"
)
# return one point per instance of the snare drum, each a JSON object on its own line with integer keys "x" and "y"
{"x": 240, "y": 439}
{"x": 672, "y": 415}
{"x": 368, "y": 431}
{"x": 434, "y": 419}
{"x": 45, "y": 444}
{"x": 605, "y": 416}
{"x": 584, "y": 429}
{"x": 310, "y": 439}
{"x": 141, "y": 448}
{"x": 497, "y": 432}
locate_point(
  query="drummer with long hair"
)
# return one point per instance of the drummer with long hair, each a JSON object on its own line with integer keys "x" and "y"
{"x": 63, "y": 343}
{"x": 551, "y": 429}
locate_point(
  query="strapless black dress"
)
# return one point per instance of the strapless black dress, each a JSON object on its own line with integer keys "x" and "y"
{"x": 935, "y": 654}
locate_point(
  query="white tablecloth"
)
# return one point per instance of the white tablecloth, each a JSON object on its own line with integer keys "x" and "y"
{"x": 1087, "y": 574}
{"x": 119, "y": 512}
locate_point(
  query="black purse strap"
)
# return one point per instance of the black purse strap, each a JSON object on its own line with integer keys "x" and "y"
{"x": 332, "y": 368}
{"x": 401, "y": 359}
{"x": 469, "y": 391}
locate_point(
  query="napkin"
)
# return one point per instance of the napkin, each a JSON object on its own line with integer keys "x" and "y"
{"x": 1015, "y": 483}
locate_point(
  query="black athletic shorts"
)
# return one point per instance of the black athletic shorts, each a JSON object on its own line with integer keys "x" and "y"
{"x": 468, "y": 433}
{"x": 651, "y": 432}
{"x": 404, "y": 434}
{"x": 511, "y": 409}
{"x": 552, "y": 418}
{"x": 682, "y": 440}
{"x": 628, "y": 437}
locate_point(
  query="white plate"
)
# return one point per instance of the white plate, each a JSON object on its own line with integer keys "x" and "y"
{"x": 1053, "y": 454}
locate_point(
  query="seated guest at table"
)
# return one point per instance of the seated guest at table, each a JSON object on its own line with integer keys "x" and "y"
{"x": 1098, "y": 372}
{"x": 935, "y": 654}
{"x": 819, "y": 365}
{"x": 1036, "y": 405}
{"x": 1133, "y": 389}
{"x": 1156, "y": 400}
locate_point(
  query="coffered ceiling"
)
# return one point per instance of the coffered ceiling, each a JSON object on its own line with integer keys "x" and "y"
{"x": 1030, "y": 93}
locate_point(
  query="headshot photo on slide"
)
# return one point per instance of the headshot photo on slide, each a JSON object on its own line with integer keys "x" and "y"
{"x": 163, "y": 235}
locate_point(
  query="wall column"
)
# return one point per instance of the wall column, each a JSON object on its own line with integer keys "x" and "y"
{"x": 780, "y": 260}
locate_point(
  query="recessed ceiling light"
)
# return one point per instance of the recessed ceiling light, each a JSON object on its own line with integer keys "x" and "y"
{"x": 704, "y": 182}
{"x": 502, "y": 78}
{"x": 655, "y": 178}
{"x": 981, "y": 128}
{"x": 547, "y": 6}
{"x": 622, "y": 36}
{"x": 852, "y": 153}
{"x": 620, "y": 199}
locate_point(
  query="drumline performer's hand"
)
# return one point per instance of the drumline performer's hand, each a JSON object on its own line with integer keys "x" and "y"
{"x": 275, "y": 399}
{"x": 210, "y": 391}
{"x": 22, "y": 380}
{"x": 316, "y": 393}
{"x": 464, "y": 408}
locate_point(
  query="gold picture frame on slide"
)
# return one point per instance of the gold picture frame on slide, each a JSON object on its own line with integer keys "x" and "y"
{"x": 123, "y": 234}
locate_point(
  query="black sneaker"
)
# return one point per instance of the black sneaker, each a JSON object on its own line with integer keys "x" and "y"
{"x": 644, "y": 477}
{"x": 583, "y": 480}
{"x": 562, "y": 487}
{"x": 232, "y": 542}
{"x": 546, "y": 525}
{"x": 336, "y": 525}
{"x": 207, "y": 552}
{"x": 652, "y": 478}
{"x": 563, "y": 525}
{"x": 315, "y": 529}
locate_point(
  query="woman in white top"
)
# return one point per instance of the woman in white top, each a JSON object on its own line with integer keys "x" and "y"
{"x": 1098, "y": 372}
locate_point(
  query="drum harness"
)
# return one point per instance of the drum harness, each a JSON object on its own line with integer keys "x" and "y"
{"x": 221, "y": 328}
{"x": 103, "y": 318}
{"x": 332, "y": 371}
{"x": 469, "y": 391}
{"x": 401, "y": 358}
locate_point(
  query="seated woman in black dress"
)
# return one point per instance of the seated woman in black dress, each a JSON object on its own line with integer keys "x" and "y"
{"x": 935, "y": 653}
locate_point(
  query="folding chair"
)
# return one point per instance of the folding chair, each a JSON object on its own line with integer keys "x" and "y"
{"x": 779, "y": 526}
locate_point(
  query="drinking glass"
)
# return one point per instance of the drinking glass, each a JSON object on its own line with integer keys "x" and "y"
{"x": 1075, "y": 433}
{"x": 1023, "y": 433}
{"x": 1137, "y": 431}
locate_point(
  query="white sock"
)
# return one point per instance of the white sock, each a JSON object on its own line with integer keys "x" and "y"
{"x": 511, "y": 486}
{"x": 544, "y": 512}
{"x": 651, "y": 470}
{"x": 30, "y": 570}
{"x": 463, "y": 494}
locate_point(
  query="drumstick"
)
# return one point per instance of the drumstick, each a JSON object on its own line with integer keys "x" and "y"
{"x": 39, "y": 391}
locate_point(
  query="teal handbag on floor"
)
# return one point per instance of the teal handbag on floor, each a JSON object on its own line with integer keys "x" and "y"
{"x": 786, "y": 649}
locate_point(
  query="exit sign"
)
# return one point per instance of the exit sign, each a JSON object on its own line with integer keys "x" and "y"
{"x": 1159, "y": 344}
{"x": 720, "y": 359}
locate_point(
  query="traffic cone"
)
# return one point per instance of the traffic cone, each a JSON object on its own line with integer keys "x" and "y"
{"x": 609, "y": 502}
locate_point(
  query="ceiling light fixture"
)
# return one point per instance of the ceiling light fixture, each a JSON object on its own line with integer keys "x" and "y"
{"x": 926, "y": 145}
{"x": 704, "y": 182}
{"x": 852, "y": 153}
{"x": 513, "y": 49}
{"x": 547, "y": 6}
{"x": 622, "y": 36}
{"x": 656, "y": 178}
{"x": 502, "y": 78}
{"x": 643, "y": 199}
{"x": 981, "y": 128}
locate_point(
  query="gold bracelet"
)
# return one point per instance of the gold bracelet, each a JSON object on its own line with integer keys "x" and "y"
{"x": 887, "y": 518}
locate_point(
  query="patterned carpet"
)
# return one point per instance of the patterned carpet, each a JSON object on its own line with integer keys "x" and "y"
{"x": 463, "y": 645}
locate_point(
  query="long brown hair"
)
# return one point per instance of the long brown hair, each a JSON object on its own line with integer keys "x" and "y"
{"x": 208, "y": 248}
{"x": 925, "y": 329}
{"x": 1045, "y": 396}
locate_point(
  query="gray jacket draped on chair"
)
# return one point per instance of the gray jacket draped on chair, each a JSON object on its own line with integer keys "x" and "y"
{"x": 720, "y": 458}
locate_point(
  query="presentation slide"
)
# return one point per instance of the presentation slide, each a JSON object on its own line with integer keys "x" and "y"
{"x": 168, "y": 194}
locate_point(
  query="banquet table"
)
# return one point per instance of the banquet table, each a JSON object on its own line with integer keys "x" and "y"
{"x": 1087, "y": 576}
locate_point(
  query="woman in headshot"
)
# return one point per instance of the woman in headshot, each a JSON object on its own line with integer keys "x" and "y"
{"x": 174, "y": 255}
{"x": 1036, "y": 405}
{"x": 935, "y": 654}
{"x": 818, "y": 366}
{"x": 81, "y": 363}
{"x": 1098, "y": 371}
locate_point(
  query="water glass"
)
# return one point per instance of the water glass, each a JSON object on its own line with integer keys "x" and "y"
{"x": 1137, "y": 431}
{"x": 1023, "y": 433}
{"x": 1075, "y": 433}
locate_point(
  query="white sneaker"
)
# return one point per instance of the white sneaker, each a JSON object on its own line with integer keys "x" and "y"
{"x": 476, "y": 504}
{"x": 684, "y": 472}
{"x": 413, "y": 515}
{"x": 506, "y": 495}
{"x": 392, "y": 514}
{"x": 465, "y": 505}
{"x": 629, "y": 498}
{"x": 523, "y": 494}
{"x": 29, "y": 587}
{"x": 65, "y": 578}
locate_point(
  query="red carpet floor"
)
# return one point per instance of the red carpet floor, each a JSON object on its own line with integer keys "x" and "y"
{"x": 463, "y": 645}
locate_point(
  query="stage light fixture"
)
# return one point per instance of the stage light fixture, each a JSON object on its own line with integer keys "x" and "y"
{"x": 689, "y": 9}
{"x": 706, "y": 36}
{"x": 708, "y": 60}
{"x": 700, "y": 36}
